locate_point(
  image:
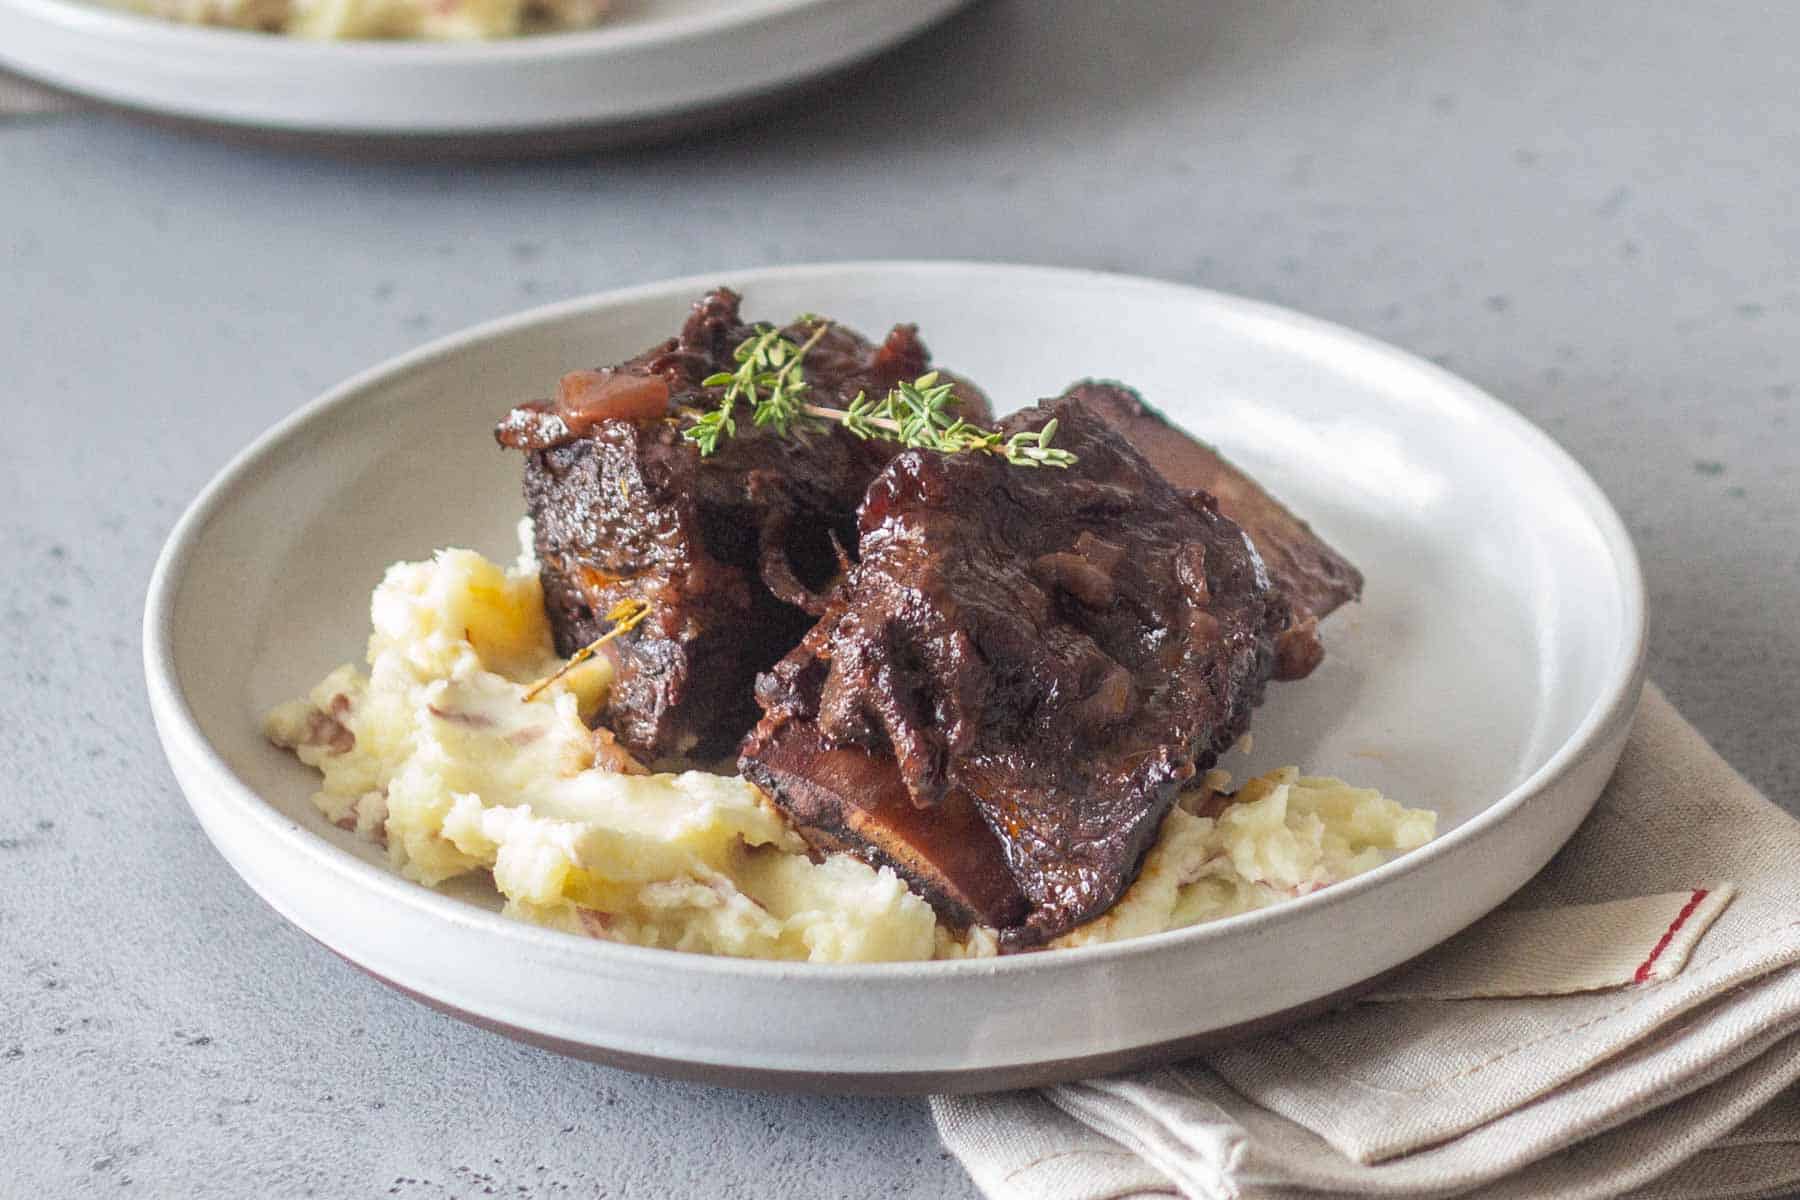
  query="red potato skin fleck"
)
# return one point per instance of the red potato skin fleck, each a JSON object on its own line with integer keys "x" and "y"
{"x": 325, "y": 730}
{"x": 457, "y": 717}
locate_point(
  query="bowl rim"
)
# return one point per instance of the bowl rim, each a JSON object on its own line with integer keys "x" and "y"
{"x": 184, "y": 741}
{"x": 153, "y": 34}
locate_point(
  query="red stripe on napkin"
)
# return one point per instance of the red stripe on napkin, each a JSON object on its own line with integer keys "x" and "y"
{"x": 1687, "y": 910}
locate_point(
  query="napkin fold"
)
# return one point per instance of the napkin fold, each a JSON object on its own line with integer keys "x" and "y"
{"x": 1628, "y": 1023}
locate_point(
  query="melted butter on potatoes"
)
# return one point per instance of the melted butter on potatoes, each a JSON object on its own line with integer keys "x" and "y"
{"x": 437, "y": 753}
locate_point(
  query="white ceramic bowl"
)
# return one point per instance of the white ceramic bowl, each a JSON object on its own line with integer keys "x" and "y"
{"x": 659, "y": 65}
{"x": 1490, "y": 673}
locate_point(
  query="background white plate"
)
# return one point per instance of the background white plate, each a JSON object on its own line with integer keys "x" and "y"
{"x": 1489, "y": 673}
{"x": 657, "y": 65}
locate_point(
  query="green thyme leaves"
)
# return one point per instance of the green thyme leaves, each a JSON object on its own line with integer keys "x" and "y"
{"x": 771, "y": 379}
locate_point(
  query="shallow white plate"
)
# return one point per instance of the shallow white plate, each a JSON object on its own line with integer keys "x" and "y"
{"x": 656, "y": 65}
{"x": 1490, "y": 673}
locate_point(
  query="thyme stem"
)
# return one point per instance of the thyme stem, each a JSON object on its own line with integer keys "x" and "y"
{"x": 626, "y": 615}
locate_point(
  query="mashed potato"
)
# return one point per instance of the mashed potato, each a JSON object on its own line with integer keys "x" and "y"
{"x": 431, "y": 20}
{"x": 437, "y": 753}
{"x": 1282, "y": 835}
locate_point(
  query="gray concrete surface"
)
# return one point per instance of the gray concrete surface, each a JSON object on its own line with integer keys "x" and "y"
{"x": 1588, "y": 209}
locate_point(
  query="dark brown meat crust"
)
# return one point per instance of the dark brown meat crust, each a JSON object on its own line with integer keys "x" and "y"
{"x": 1316, "y": 578}
{"x": 731, "y": 552}
{"x": 1057, "y": 650}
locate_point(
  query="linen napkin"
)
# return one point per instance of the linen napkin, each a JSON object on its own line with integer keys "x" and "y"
{"x": 1628, "y": 1024}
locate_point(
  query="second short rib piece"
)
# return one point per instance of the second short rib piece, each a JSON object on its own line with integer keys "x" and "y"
{"x": 1022, "y": 670}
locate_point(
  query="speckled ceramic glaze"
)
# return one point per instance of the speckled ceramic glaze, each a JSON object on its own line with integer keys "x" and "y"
{"x": 655, "y": 67}
{"x": 1490, "y": 673}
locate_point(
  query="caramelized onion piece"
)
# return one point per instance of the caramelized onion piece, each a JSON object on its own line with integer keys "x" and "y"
{"x": 1297, "y": 651}
{"x": 586, "y": 398}
{"x": 1075, "y": 576}
{"x": 610, "y": 756}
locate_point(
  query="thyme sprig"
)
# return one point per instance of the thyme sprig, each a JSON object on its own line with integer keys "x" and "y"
{"x": 768, "y": 377}
{"x": 917, "y": 415}
{"x": 626, "y": 615}
{"x": 771, "y": 378}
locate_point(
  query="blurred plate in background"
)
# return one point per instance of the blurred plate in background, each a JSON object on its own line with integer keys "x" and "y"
{"x": 656, "y": 68}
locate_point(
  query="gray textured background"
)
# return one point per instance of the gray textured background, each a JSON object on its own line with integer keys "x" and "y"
{"x": 1587, "y": 209}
